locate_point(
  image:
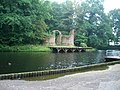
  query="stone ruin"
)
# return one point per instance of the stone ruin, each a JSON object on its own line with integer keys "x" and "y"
{"x": 60, "y": 40}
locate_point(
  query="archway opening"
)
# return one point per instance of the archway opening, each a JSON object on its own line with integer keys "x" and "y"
{"x": 58, "y": 36}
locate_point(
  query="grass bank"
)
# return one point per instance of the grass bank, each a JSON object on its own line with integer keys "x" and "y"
{"x": 90, "y": 50}
{"x": 24, "y": 48}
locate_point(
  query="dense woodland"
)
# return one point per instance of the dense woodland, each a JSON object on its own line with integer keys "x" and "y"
{"x": 25, "y": 22}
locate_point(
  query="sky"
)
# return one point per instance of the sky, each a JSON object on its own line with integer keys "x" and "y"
{"x": 111, "y": 4}
{"x": 108, "y": 4}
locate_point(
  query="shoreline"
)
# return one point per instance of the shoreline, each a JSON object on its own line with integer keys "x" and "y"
{"x": 67, "y": 71}
{"x": 108, "y": 79}
{"x": 25, "y": 48}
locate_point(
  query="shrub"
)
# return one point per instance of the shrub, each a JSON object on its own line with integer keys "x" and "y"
{"x": 83, "y": 45}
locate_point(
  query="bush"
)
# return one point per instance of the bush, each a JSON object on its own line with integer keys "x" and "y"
{"x": 83, "y": 45}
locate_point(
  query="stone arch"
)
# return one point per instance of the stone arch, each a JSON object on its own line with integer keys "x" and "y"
{"x": 56, "y": 31}
{"x": 58, "y": 38}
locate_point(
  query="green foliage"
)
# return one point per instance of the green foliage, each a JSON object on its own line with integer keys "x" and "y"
{"x": 79, "y": 38}
{"x": 25, "y": 48}
{"x": 30, "y": 21}
{"x": 83, "y": 45}
{"x": 62, "y": 17}
{"x": 114, "y": 15}
{"x": 23, "y": 21}
{"x": 91, "y": 22}
{"x": 56, "y": 14}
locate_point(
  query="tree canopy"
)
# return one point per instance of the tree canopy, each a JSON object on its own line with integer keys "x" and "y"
{"x": 23, "y": 21}
{"x": 92, "y": 25}
{"x": 114, "y": 16}
{"x": 28, "y": 21}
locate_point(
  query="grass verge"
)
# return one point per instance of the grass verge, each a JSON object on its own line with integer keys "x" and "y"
{"x": 25, "y": 48}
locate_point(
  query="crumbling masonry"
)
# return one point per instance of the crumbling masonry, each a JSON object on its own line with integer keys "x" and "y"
{"x": 61, "y": 40}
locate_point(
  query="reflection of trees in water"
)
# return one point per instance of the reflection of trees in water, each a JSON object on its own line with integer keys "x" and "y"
{"x": 100, "y": 56}
{"x": 24, "y": 61}
{"x": 42, "y": 61}
{"x": 67, "y": 60}
{"x": 63, "y": 60}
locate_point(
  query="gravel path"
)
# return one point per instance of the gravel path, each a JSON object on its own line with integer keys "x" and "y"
{"x": 94, "y": 80}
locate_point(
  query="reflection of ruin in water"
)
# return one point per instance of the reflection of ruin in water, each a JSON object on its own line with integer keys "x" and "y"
{"x": 62, "y": 62}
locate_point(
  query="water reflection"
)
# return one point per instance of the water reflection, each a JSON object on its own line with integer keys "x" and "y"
{"x": 31, "y": 61}
{"x": 112, "y": 53}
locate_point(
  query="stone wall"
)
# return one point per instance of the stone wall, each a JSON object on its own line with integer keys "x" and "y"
{"x": 67, "y": 40}
{"x": 50, "y": 41}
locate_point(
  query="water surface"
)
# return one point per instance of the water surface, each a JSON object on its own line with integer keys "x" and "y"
{"x": 12, "y": 62}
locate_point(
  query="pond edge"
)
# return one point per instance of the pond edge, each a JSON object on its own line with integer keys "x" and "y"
{"x": 21, "y": 75}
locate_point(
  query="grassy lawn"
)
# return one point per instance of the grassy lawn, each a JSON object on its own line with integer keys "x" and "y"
{"x": 25, "y": 48}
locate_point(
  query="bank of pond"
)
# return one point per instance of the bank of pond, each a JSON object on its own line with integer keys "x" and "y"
{"x": 39, "y": 48}
{"x": 25, "y": 48}
{"x": 51, "y": 74}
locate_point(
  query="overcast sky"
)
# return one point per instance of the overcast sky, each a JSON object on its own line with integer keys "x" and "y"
{"x": 108, "y": 4}
{"x": 111, "y": 4}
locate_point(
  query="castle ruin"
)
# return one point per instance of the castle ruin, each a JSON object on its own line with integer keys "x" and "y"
{"x": 61, "y": 40}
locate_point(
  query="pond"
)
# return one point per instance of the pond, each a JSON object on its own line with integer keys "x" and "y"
{"x": 12, "y": 62}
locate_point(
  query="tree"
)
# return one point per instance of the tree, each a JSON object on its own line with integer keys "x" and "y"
{"x": 114, "y": 15}
{"x": 67, "y": 20}
{"x": 93, "y": 23}
{"x": 56, "y": 13}
{"x": 62, "y": 17}
{"x": 23, "y": 21}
